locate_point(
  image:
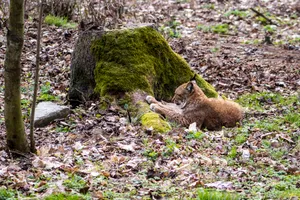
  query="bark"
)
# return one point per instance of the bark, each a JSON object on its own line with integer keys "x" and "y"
{"x": 15, "y": 132}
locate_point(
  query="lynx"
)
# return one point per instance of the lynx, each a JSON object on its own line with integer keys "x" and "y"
{"x": 192, "y": 105}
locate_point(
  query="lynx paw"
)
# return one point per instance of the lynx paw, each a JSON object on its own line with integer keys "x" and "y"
{"x": 153, "y": 106}
{"x": 150, "y": 99}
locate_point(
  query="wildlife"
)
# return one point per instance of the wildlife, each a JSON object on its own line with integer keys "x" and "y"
{"x": 192, "y": 105}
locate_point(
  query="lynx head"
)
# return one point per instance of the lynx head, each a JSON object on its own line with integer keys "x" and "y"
{"x": 183, "y": 92}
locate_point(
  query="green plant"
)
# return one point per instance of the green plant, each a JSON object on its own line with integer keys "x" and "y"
{"x": 263, "y": 20}
{"x": 203, "y": 28}
{"x": 171, "y": 29}
{"x": 266, "y": 144}
{"x": 293, "y": 118}
{"x": 66, "y": 196}
{"x": 295, "y": 40}
{"x": 195, "y": 135}
{"x": 215, "y": 49}
{"x": 238, "y": 13}
{"x": 64, "y": 129}
{"x": 75, "y": 182}
{"x": 277, "y": 154}
{"x": 59, "y": 21}
{"x": 45, "y": 93}
{"x": 269, "y": 125}
{"x": 25, "y": 103}
{"x": 233, "y": 152}
{"x": 210, "y": 6}
{"x": 170, "y": 147}
{"x": 150, "y": 153}
{"x": 270, "y": 28}
{"x": 7, "y": 194}
{"x": 208, "y": 194}
{"x": 220, "y": 28}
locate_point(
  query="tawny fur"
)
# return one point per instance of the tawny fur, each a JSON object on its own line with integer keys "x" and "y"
{"x": 192, "y": 105}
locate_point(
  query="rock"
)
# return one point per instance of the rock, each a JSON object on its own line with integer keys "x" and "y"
{"x": 46, "y": 112}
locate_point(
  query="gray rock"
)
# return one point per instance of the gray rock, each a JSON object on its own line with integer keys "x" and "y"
{"x": 46, "y": 112}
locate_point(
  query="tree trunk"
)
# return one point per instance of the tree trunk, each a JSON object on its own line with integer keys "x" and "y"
{"x": 15, "y": 132}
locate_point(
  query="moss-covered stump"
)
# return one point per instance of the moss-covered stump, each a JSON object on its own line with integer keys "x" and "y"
{"x": 83, "y": 64}
{"x": 140, "y": 58}
{"x": 118, "y": 63}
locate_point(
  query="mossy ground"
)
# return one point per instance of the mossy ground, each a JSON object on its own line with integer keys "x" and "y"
{"x": 140, "y": 58}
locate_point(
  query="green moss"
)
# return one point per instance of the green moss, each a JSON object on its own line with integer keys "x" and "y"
{"x": 153, "y": 120}
{"x": 140, "y": 58}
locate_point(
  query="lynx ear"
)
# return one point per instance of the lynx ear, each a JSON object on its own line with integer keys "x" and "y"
{"x": 190, "y": 86}
{"x": 194, "y": 77}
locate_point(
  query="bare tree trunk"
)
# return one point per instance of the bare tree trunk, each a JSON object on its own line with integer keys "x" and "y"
{"x": 15, "y": 132}
{"x": 36, "y": 80}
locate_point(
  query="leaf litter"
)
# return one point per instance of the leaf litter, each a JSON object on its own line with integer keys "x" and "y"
{"x": 99, "y": 153}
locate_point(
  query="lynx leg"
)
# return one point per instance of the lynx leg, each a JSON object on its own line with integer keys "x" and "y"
{"x": 168, "y": 112}
{"x": 151, "y": 99}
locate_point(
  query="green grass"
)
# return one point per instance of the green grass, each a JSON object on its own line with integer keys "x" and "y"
{"x": 198, "y": 135}
{"x": 238, "y": 13}
{"x": 151, "y": 154}
{"x": 6, "y": 194}
{"x": 257, "y": 101}
{"x": 206, "y": 194}
{"x": 210, "y": 6}
{"x": 170, "y": 147}
{"x": 171, "y": 29}
{"x": 75, "y": 182}
{"x": 66, "y": 196}
{"x": 233, "y": 152}
{"x": 217, "y": 29}
{"x": 59, "y": 22}
{"x": 270, "y": 28}
{"x": 293, "y": 118}
{"x": 45, "y": 93}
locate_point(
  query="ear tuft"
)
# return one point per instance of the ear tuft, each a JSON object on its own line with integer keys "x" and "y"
{"x": 190, "y": 86}
{"x": 194, "y": 77}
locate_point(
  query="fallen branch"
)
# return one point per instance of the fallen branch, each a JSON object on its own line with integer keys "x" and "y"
{"x": 262, "y": 15}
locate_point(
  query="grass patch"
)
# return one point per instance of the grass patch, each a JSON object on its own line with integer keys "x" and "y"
{"x": 171, "y": 29}
{"x": 257, "y": 101}
{"x": 6, "y": 194}
{"x": 293, "y": 118}
{"x": 59, "y": 22}
{"x": 66, "y": 196}
{"x": 207, "y": 194}
{"x": 233, "y": 152}
{"x": 151, "y": 154}
{"x": 209, "y": 6}
{"x": 217, "y": 29}
{"x": 269, "y": 124}
{"x": 270, "y": 28}
{"x": 45, "y": 93}
{"x": 198, "y": 135}
{"x": 75, "y": 182}
{"x": 237, "y": 13}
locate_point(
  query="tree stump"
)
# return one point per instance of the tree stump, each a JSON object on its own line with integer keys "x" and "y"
{"x": 119, "y": 63}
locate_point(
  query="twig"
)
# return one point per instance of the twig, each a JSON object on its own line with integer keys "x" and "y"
{"x": 287, "y": 139}
{"x": 262, "y": 15}
{"x": 18, "y": 153}
{"x": 36, "y": 80}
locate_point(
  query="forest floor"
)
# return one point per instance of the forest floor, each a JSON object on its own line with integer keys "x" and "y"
{"x": 97, "y": 154}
